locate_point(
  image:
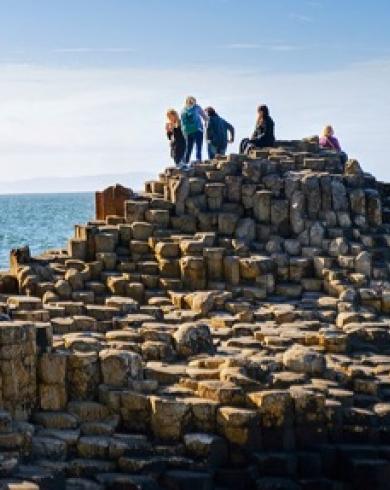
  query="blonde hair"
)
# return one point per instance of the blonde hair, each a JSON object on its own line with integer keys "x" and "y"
{"x": 190, "y": 101}
{"x": 175, "y": 114}
{"x": 327, "y": 131}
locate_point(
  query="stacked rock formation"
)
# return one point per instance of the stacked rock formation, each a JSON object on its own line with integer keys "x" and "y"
{"x": 229, "y": 329}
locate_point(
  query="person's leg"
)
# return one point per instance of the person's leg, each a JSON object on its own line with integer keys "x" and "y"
{"x": 211, "y": 151}
{"x": 173, "y": 156}
{"x": 181, "y": 153}
{"x": 178, "y": 158}
{"x": 199, "y": 144}
{"x": 343, "y": 157}
{"x": 190, "y": 145}
{"x": 222, "y": 150}
{"x": 250, "y": 145}
{"x": 243, "y": 145}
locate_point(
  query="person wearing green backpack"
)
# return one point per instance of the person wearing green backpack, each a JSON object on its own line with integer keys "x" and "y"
{"x": 192, "y": 119}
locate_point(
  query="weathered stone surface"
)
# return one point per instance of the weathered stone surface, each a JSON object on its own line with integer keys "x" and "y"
{"x": 275, "y": 407}
{"x": 238, "y": 425}
{"x": 119, "y": 367}
{"x": 193, "y": 338}
{"x": 228, "y": 328}
{"x": 193, "y": 272}
{"x": 262, "y": 206}
{"x": 246, "y": 230}
{"x": 363, "y": 264}
{"x": 52, "y": 368}
{"x": 297, "y": 211}
{"x": 83, "y": 375}
{"x": 304, "y": 360}
{"x": 168, "y": 417}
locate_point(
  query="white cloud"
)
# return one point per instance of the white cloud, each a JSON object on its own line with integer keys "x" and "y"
{"x": 301, "y": 18}
{"x": 270, "y": 47}
{"x": 70, "y": 122}
{"x": 243, "y": 46}
{"x": 93, "y": 50}
{"x": 284, "y": 47}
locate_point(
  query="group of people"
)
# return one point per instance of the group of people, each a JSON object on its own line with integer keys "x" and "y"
{"x": 187, "y": 130}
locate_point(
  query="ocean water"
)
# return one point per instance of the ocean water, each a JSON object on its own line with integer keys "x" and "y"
{"x": 41, "y": 221}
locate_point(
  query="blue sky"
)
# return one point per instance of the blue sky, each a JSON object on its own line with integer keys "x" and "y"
{"x": 84, "y": 84}
{"x": 277, "y": 34}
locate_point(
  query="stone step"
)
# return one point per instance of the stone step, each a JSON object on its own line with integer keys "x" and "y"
{"x": 121, "y": 480}
{"x": 88, "y": 411}
{"x": 89, "y": 468}
{"x": 82, "y": 484}
{"x": 45, "y": 447}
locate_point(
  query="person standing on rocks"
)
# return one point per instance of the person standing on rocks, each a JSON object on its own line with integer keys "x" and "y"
{"x": 264, "y": 133}
{"x": 176, "y": 137}
{"x": 329, "y": 141}
{"x": 193, "y": 119}
{"x": 217, "y": 133}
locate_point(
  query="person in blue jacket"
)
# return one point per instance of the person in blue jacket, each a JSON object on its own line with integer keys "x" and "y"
{"x": 218, "y": 133}
{"x": 193, "y": 119}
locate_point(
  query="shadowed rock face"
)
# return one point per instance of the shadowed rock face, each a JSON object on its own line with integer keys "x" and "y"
{"x": 227, "y": 328}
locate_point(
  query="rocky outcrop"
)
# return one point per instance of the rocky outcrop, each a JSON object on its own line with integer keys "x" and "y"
{"x": 227, "y": 328}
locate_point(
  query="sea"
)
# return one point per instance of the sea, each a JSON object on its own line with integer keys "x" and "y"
{"x": 42, "y": 221}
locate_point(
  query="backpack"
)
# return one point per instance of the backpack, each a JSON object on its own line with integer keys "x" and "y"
{"x": 189, "y": 120}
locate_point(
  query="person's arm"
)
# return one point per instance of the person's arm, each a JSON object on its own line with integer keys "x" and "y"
{"x": 168, "y": 130}
{"x": 203, "y": 115}
{"x": 209, "y": 130}
{"x": 256, "y": 133}
{"x": 336, "y": 144}
{"x": 267, "y": 131}
{"x": 182, "y": 125}
{"x": 230, "y": 130}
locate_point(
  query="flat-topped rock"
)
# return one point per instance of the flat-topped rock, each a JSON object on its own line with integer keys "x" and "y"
{"x": 228, "y": 327}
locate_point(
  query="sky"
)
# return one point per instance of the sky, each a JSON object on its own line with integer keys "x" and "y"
{"x": 85, "y": 84}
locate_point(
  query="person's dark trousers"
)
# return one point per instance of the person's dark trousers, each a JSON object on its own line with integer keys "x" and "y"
{"x": 343, "y": 158}
{"x": 215, "y": 150}
{"x": 178, "y": 155}
{"x": 247, "y": 144}
{"x": 196, "y": 138}
{"x": 178, "y": 160}
{"x": 244, "y": 145}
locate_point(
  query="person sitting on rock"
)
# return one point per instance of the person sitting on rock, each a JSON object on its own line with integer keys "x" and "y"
{"x": 263, "y": 135}
{"x": 176, "y": 137}
{"x": 217, "y": 133}
{"x": 329, "y": 141}
{"x": 192, "y": 119}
